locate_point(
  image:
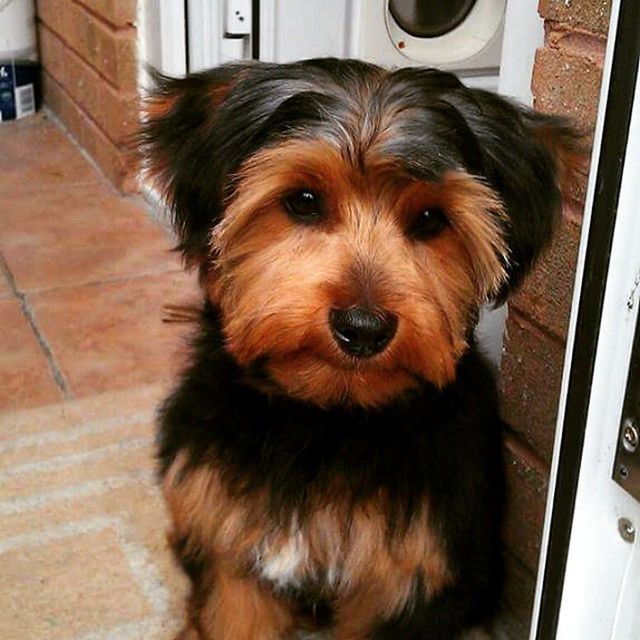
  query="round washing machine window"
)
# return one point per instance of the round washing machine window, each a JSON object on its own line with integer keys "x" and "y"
{"x": 429, "y": 18}
{"x": 443, "y": 31}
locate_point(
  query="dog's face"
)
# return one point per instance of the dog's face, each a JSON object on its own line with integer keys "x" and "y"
{"x": 349, "y": 221}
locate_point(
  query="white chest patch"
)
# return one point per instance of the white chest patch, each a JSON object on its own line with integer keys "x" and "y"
{"x": 283, "y": 563}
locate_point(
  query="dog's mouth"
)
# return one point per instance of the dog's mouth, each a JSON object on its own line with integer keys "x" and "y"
{"x": 328, "y": 379}
{"x": 341, "y": 362}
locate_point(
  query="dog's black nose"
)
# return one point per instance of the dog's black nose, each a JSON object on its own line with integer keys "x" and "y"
{"x": 362, "y": 332}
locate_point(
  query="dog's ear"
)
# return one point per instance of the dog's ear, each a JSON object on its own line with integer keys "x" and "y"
{"x": 178, "y": 151}
{"x": 533, "y": 161}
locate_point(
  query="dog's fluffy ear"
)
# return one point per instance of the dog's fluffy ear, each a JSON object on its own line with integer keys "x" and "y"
{"x": 177, "y": 149}
{"x": 532, "y": 160}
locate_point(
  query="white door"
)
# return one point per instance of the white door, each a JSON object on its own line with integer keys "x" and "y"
{"x": 589, "y": 577}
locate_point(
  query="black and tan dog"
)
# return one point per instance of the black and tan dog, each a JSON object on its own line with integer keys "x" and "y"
{"x": 332, "y": 457}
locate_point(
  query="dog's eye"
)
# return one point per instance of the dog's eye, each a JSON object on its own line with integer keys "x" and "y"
{"x": 428, "y": 223}
{"x": 304, "y": 205}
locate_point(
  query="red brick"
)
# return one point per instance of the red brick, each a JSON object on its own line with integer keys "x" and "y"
{"x": 114, "y": 162}
{"x": 54, "y": 13}
{"x": 115, "y": 112}
{"x": 52, "y": 54}
{"x": 120, "y": 13}
{"x": 60, "y": 104}
{"x": 520, "y": 587}
{"x": 127, "y": 61}
{"x": 568, "y": 85}
{"x": 547, "y": 293}
{"x": 81, "y": 83}
{"x": 111, "y": 52}
{"x": 530, "y": 380}
{"x": 527, "y": 486}
{"x": 587, "y": 14}
{"x": 576, "y": 42}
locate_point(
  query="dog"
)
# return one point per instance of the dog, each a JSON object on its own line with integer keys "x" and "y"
{"x": 331, "y": 458}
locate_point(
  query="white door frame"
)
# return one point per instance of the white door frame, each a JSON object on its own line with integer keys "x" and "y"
{"x": 589, "y": 576}
{"x": 162, "y": 37}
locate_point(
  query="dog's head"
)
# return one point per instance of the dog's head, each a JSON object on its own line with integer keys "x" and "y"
{"x": 349, "y": 221}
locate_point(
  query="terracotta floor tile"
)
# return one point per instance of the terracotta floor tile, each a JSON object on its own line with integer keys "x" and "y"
{"x": 35, "y": 154}
{"x": 110, "y": 336}
{"x": 85, "y": 234}
{"x": 25, "y": 378}
{"x": 5, "y": 289}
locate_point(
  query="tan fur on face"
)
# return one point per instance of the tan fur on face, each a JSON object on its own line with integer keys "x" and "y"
{"x": 276, "y": 280}
{"x": 368, "y": 572}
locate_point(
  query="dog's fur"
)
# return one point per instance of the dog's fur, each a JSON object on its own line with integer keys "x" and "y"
{"x": 309, "y": 488}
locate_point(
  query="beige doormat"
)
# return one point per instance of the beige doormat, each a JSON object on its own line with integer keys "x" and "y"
{"x": 82, "y": 523}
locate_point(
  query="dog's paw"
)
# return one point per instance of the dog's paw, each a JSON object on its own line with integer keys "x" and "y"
{"x": 188, "y": 633}
{"x": 476, "y": 634}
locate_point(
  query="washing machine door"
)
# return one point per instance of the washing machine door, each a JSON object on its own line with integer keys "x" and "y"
{"x": 460, "y": 35}
{"x": 430, "y": 18}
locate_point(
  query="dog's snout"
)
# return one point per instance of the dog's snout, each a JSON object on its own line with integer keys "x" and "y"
{"x": 362, "y": 332}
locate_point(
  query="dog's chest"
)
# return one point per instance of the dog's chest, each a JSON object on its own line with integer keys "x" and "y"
{"x": 320, "y": 550}
{"x": 286, "y": 561}
{"x": 336, "y": 553}
{"x": 334, "y": 547}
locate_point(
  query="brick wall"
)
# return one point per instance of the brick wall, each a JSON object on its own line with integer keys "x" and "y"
{"x": 566, "y": 80}
{"x": 88, "y": 53}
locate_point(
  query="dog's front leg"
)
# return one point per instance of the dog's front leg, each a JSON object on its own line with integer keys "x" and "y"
{"x": 357, "y": 614}
{"x": 189, "y": 633}
{"x": 227, "y": 605}
{"x": 239, "y": 608}
{"x": 452, "y": 614}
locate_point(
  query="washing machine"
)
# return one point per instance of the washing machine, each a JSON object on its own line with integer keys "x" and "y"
{"x": 464, "y": 36}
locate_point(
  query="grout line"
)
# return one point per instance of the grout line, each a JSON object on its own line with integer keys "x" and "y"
{"x": 524, "y": 316}
{"x": 115, "y": 28}
{"x": 109, "y": 280}
{"x": 120, "y": 144}
{"x": 524, "y": 450}
{"x": 56, "y": 372}
{"x": 144, "y": 198}
{"x": 73, "y": 48}
{"x": 55, "y": 119}
{"x": 150, "y": 204}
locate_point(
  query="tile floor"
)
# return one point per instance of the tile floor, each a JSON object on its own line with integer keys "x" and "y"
{"x": 84, "y": 358}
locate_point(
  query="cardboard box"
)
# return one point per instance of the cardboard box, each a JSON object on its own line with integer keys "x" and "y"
{"x": 20, "y": 88}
